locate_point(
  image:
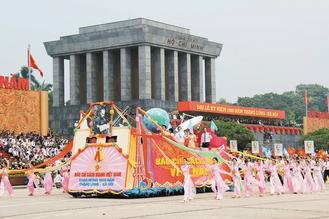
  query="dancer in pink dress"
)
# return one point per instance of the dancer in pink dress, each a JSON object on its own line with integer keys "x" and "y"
{"x": 65, "y": 174}
{"x": 248, "y": 177}
{"x": 287, "y": 178}
{"x": 218, "y": 186}
{"x": 308, "y": 180}
{"x": 189, "y": 189}
{"x": 318, "y": 178}
{"x": 275, "y": 182}
{"x": 300, "y": 175}
{"x": 32, "y": 183}
{"x": 5, "y": 183}
{"x": 260, "y": 176}
{"x": 236, "y": 178}
{"x": 296, "y": 177}
{"x": 48, "y": 183}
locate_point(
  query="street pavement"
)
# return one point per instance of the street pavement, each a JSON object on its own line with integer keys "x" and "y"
{"x": 60, "y": 205}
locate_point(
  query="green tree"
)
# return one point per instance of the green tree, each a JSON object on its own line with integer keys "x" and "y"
{"x": 24, "y": 72}
{"x": 292, "y": 101}
{"x": 320, "y": 138}
{"x": 317, "y": 95}
{"x": 235, "y": 131}
{"x": 223, "y": 101}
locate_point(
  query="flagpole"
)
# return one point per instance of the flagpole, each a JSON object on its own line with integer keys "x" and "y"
{"x": 306, "y": 103}
{"x": 28, "y": 64}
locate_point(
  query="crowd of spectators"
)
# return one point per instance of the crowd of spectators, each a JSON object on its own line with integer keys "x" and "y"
{"x": 30, "y": 148}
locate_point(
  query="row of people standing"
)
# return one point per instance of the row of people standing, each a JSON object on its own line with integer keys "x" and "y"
{"x": 189, "y": 139}
{"x": 294, "y": 175}
{"x": 60, "y": 180}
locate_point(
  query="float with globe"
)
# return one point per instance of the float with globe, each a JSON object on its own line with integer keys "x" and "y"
{"x": 137, "y": 159}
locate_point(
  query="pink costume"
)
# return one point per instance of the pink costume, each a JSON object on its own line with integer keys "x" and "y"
{"x": 260, "y": 177}
{"x": 66, "y": 177}
{"x": 48, "y": 183}
{"x": 189, "y": 190}
{"x": 287, "y": 179}
{"x": 32, "y": 183}
{"x": 218, "y": 186}
{"x": 236, "y": 180}
{"x": 297, "y": 179}
{"x": 275, "y": 182}
{"x": 318, "y": 178}
{"x": 248, "y": 179}
{"x": 5, "y": 183}
{"x": 308, "y": 180}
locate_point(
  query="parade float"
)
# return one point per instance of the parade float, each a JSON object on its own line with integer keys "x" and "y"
{"x": 115, "y": 154}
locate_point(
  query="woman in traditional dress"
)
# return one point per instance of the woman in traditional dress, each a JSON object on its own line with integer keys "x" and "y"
{"x": 318, "y": 177}
{"x": 32, "y": 183}
{"x": 65, "y": 174}
{"x": 287, "y": 178}
{"x": 189, "y": 189}
{"x": 218, "y": 186}
{"x": 275, "y": 182}
{"x": 5, "y": 183}
{"x": 308, "y": 180}
{"x": 260, "y": 176}
{"x": 48, "y": 183}
{"x": 191, "y": 140}
{"x": 236, "y": 178}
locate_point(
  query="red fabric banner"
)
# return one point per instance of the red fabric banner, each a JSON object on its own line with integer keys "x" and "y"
{"x": 33, "y": 64}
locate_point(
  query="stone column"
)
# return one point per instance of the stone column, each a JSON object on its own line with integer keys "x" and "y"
{"x": 125, "y": 65}
{"x": 58, "y": 81}
{"x": 74, "y": 80}
{"x": 171, "y": 75}
{"x": 184, "y": 69}
{"x": 197, "y": 79}
{"x": 108, "y": 75}
{"x": 158, "y": 74}
{"x": 144, "y": 71}
{"x": 210, "y": 77}
{"x": 91, "y": 77}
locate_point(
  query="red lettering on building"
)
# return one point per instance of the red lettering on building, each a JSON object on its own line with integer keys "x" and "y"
{"x": 14, "y": 83}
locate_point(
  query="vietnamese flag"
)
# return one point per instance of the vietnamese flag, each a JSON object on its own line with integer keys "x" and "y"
{"x": 33, "y": 64}
{"x": 306, "y": 98}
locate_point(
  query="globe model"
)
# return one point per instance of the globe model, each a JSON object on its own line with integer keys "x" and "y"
{"x": 159, "y": 116}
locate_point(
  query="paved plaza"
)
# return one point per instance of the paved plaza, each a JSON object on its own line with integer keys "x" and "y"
{"x": 59, "y": 205}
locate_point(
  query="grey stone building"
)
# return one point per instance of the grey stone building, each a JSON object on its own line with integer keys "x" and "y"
{"x": 133, "y": 60}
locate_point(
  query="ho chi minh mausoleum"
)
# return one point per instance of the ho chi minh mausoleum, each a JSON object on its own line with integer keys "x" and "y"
{"x": 133, "y": 62}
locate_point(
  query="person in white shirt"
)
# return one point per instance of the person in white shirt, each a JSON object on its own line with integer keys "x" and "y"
{"x": 205, "y": 139}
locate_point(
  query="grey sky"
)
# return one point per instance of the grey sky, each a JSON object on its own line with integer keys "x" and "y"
{"x": 268, "y": 45}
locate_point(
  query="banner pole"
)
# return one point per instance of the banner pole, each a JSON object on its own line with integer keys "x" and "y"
{"x": 28, "y": 64}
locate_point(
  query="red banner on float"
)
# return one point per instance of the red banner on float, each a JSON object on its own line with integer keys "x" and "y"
{"x": 230, "y": 110}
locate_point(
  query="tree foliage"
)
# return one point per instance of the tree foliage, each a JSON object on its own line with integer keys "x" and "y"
{"x": 235, "y": 131}
{"x": 35, "y": 84}
{"x": 24, "y": 72}
{"x": 320, "y": 138}
{"x": 292, "y": 101}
